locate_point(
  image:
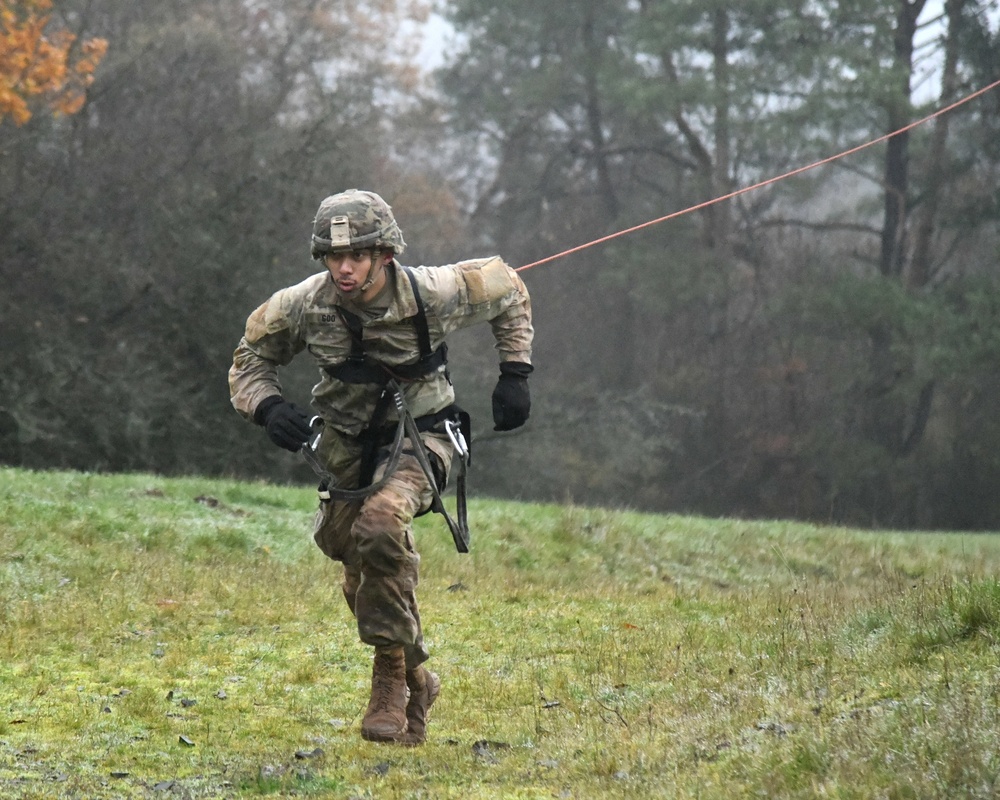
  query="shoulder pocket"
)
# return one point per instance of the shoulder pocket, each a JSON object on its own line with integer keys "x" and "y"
{"x": 487, "y": 281}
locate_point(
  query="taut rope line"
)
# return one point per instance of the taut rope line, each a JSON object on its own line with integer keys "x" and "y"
{"x": 767, "y": 182}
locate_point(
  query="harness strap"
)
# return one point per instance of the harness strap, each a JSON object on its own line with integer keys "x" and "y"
{"x": 361, "y": 368}
{"x": 369, "y": 438}
{"x": 353, "y": 324}
{"x": 412, "y": 429}
{"x": 327, "y": 490}
{"x": 420, "y": 321}
{"x": 368, "y": 370}
{"x": 459, "y": 530}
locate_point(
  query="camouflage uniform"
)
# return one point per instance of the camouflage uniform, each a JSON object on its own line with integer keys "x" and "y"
{"x": 373, "y": 538}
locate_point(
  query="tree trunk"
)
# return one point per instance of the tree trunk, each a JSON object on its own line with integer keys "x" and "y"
{"x": 919, "y": 271}
{"x": 898, "y": 148}
{"x": 595, "y": 123}
{"x": 886, "y": 413}
{"x": 719, "y": 219}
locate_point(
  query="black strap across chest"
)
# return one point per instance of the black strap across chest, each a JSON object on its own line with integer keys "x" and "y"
{"x": 362, "y": 368}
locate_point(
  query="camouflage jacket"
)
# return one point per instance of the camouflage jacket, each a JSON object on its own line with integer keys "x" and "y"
{"x": 305, "y": 316}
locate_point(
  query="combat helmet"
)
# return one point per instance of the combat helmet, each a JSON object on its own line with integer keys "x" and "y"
{"x": 355, "y": 220}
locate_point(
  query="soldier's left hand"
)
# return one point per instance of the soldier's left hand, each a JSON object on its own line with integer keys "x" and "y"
{"x": 511, "y": 398}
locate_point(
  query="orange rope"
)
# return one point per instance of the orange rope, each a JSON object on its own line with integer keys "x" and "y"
{"x": 767, "y": 182}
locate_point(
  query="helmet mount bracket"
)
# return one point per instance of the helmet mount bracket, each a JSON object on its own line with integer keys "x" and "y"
{"x": 340, "y": 232}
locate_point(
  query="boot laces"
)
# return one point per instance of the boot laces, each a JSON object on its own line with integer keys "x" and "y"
{"x": 383, "y": 683}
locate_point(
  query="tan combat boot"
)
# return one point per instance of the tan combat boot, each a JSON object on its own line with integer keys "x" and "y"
{"x": 424, "y": 688}
{"x": 385, "y": 719}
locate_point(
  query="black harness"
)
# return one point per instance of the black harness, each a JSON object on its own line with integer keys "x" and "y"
{"x": 361, "y": 368}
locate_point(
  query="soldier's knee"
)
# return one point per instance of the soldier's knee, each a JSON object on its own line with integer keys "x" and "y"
{"x": 332, "y": 531}
{"x": 379, "y": 517}
{"x": 382, "y": 538}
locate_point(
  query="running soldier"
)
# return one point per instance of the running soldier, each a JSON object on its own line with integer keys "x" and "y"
{"x": 377, "y": 333}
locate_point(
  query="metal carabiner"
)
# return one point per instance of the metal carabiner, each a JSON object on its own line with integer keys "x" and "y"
{"x": 454, "y": 431}
{"x": 309, "y": 454}
{"x": 316, "y": 423}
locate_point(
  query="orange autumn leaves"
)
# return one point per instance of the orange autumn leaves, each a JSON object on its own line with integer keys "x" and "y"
{"x": 39, "y": 66}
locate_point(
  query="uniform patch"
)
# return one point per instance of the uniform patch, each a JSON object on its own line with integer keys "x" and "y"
{"x": 267, "y": 319}
{"x": 487, "y": 282}
{"x": 257, "y": 325}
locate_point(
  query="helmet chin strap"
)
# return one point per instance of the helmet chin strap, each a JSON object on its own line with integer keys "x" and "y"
{"x": 372, "y": 275}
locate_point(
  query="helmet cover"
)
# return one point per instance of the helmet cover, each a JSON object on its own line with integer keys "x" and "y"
{"x": 355, "y": 220}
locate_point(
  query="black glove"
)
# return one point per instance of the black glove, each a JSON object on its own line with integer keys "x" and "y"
{"x": 287, "y": 424}
{"x": 511, "y": 398}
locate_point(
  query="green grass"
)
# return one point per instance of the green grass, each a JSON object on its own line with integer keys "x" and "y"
{"x": 599, "y": 653}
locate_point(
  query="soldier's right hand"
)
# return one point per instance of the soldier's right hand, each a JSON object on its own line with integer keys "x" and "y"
{"x": 287, "y": 424}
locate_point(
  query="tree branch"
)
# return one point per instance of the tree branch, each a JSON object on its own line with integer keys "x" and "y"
{"x": 857, "y": 227}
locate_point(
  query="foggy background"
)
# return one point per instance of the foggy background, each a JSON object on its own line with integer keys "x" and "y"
{"x": 826, "y": 348}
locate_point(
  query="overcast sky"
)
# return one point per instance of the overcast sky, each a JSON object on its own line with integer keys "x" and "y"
{"x": 437, "y": 34}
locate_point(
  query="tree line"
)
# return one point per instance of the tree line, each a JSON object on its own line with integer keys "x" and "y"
{"x": 826, "y": 347}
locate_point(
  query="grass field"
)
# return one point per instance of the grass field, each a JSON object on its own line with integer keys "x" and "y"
{"x": 183, "y": 638}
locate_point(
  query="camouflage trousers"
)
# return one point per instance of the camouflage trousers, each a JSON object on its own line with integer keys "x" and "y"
{"x": 373, "y": 539}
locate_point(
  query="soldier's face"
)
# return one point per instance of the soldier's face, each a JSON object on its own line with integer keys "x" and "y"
{"x": 350, "y": 270}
